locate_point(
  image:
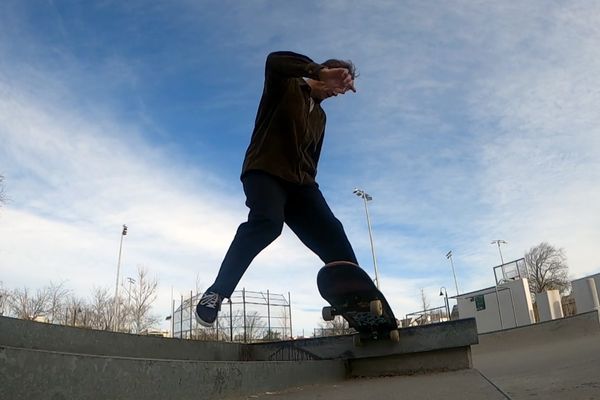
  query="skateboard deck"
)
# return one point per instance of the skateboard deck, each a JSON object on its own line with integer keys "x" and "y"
{"x": 353, "y": 295}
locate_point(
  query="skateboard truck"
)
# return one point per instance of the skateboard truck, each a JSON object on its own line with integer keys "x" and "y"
{"x": 329, "y": 312}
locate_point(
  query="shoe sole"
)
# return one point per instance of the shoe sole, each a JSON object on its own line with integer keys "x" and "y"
{"x": 203, "y": 322}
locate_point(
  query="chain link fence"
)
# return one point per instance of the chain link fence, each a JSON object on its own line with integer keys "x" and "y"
{"x": 247, "y": 316}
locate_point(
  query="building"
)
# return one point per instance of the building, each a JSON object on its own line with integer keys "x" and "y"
{"x": 586, "y": 292}
{"x": 507, "y": 305}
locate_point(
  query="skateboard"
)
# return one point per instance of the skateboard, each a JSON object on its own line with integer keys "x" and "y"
{"x": 353, "y": 295}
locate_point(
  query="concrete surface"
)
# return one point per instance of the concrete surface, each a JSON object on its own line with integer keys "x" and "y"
{"x": 463, "y": 385}
{"x": 561, "y": 370}
{"x": 553, "y": 360}
{"x": 27, "y": 374}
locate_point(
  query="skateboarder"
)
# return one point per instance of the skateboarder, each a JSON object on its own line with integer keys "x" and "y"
{"x": 279, "y": 171}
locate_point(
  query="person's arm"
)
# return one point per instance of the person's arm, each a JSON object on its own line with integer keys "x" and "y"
{"x": 286, "y": 64}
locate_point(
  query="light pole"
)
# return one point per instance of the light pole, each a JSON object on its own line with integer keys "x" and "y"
{"x": 499, "y": 242}
{"x": 445, "y": 294}
{"x": 367, "y": 197}
{"x": 449, "y": 257}
{"x": 116, "y": 301}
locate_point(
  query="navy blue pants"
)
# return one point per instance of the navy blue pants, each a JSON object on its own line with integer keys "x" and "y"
{"x": 273, "y": 202}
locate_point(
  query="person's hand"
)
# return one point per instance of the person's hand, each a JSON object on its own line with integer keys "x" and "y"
{"x": 338, "y": 80}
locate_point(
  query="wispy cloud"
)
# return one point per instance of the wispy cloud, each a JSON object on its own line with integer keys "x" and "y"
{"x": 470, "y": 124}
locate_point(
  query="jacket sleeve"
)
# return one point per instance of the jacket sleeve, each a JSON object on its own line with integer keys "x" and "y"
{"x": 286, "y": 64}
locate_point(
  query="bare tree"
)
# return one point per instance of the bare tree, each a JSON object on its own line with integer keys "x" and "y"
{"x": 4, "y": 297}
{"x": 426, "y": 305}
{"x": 142, "y": 295}
{"x": 25, "y": 305}
{"x": 254, "y": 326}
{"x": 337, "y": 326}
{"x": 58, "y": 297}
{"x": 424, "y": 300}
{"x": 547, "y": 269}
{"x": 74, "y": 311}
{"x": 101, "y": 309}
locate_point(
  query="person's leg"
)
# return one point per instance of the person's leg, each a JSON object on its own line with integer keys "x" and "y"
{"x": 265, "y": 197}
{"x": 310, "y": 218}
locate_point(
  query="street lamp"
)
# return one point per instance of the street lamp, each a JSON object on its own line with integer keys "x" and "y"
{"x": 444, "y": 292}
{"x": 499, "y": 242}
{"x": 449, "y": 257}
{"x": 116, "y": 302}
{"x": 367, "y": 197}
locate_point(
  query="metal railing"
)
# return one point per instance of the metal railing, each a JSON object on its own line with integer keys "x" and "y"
{"x": 425, "y": 317}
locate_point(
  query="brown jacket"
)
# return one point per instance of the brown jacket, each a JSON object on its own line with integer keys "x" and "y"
{"x": 288, "y": 135}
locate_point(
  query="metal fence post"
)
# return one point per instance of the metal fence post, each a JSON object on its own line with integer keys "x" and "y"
{"x": 181, "y": 319}
{"x": 290, "y": 309}
{"x": 268, "y": 315}
{"x": 191, "y": 319}
{"x": 230, "y": 321}
{"x": 244, "y": 307}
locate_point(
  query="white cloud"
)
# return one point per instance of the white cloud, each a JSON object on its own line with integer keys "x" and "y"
{"x": 540, "y": 167}
{"x": 471, "y": 123}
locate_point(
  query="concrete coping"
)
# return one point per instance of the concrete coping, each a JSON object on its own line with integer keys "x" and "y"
{"x": 36, "y": 335}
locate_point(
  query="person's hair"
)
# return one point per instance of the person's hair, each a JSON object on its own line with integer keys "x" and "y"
{"x": 335, "y": 63}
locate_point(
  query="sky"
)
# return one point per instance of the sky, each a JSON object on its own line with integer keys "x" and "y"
{"x": 473, "y": 121}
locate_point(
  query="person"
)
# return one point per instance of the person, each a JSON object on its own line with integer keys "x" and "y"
{"x": 279, "y": 170}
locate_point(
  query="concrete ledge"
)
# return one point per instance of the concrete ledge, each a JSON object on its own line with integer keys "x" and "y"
{"x": 453, "y": 334}
{"x": 27, "y": 374}
{"x": 41, "y": 336}
{"x": 36, "y": 335}
{"x": 412, "y": 363}
{"x": 44, "y": 361}
{"x": 586, "y": 324}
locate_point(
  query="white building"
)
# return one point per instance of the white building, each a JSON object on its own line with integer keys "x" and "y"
{"x": 506, "y": 306}
{"x": 586, "y": 292}
{"x": 549, "y": 305}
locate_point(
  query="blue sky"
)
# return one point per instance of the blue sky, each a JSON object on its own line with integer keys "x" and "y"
{"x": 472, "y": 122}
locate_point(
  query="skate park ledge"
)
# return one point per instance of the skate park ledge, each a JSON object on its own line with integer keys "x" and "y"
{"x": 45, "y": 361}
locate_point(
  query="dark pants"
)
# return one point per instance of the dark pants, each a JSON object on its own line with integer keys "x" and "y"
{"x": 272, "y": 202}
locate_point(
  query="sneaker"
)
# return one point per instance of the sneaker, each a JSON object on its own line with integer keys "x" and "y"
{"x": 208, "y": 307}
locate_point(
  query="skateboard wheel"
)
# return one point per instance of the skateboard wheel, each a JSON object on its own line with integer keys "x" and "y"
{"x": 395, "y": 336}
{"x": 327, "y": 313}
{"x": 376, "y": 307}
